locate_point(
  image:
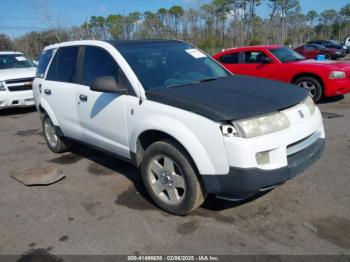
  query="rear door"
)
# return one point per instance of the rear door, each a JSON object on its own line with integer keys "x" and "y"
{"x": 44, "y": 61}
{"x": 59, "y": 89}
{"x": 102, "y": 116}
{"x": 310, "y": 52}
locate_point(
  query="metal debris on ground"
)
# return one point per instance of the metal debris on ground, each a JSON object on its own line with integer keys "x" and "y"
{"x": 38, "y": 176}
{"x": 310, "y": 227}
{"x": 331, "y": 115}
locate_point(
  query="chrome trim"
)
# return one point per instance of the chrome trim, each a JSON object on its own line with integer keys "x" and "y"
{"x": 298, "y": 146}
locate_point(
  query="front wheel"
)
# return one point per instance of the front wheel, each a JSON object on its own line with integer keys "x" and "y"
{"x": 312, "y": 85}
{"x": 56, "y": 143}
{"x": 171, "y": 178}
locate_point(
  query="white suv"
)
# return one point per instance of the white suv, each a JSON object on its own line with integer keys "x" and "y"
{"x": 188, "y": 124}
{"x": 16, "y": 76}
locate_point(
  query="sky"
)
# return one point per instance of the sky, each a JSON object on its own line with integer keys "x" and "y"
{"x": 20, "y": 16}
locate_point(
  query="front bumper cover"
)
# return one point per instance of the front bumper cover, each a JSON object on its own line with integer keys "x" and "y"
{"x": 242, "y": 183}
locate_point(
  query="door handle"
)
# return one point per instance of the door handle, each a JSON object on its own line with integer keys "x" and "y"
{"x": 83, "y": 98}
{"x": 40, "y": 88}
{"x": 47, "y": 92}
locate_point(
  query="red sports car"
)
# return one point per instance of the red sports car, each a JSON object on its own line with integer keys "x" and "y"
{"x": 320, "y": 78}
{"x": 311, "y": 51}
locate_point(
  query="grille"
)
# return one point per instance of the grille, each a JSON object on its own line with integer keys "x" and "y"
{"x": 21, "y": 84}
{"x": 19, "y": 88}
{"x": 19, "y": 81}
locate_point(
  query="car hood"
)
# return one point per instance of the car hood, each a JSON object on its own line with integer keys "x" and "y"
{"x": 230, "y": 98}
{"x": 331, "y": 64}
{"x": 16, "y": 73}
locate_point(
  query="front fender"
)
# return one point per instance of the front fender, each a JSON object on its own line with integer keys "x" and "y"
{"x": 183, "y": 135}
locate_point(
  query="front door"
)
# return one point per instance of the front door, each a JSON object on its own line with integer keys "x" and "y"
{"x": 102, "y": 116}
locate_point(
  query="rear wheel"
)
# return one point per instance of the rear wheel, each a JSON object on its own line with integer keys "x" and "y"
{"x": 170, "y": 178}
{"x": 328, "y": 56}
{"x": 56, "y": 143}
{"x": 312, "y": 85}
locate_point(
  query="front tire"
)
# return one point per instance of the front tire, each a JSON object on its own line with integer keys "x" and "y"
{"x": 55, "y": 143}
{"x": 171, "y": 178}
{"x": 312, "y": 85}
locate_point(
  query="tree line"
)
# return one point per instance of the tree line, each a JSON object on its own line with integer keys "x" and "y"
{"x": 217, "y": 25}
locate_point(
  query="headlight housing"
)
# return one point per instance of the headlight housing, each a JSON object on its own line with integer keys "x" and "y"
{"x": 265, "y": 124}
{"x": 337, "y": 75}
{"x": 2, "y": 86}
{"x": 310, "y": 104}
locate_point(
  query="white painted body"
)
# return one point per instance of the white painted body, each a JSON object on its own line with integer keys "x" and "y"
{"x": 118, "y": 121}
{"x": 16, "y": 98}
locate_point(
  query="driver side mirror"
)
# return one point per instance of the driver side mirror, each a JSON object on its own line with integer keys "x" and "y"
{"x": 107, "y": 84}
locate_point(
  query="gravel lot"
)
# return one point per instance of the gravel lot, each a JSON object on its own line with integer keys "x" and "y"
{"x": 101, "y": 208}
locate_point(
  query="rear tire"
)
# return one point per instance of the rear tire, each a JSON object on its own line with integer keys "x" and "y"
{"x": 312, "y": 85}
{"x": 56, "y": 143}
{"x": 328, "y": 56}
{"x": 171, "y": 178}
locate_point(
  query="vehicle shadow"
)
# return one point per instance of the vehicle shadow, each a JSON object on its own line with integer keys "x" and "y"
{"x": 17, "y": 111}
{"x": 328, "y": 100}
{"x": 213, "y": 203}
{"x": 124, "y": 168}
{"x": 114, "y": 164}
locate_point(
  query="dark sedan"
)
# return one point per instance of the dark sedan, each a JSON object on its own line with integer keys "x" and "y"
{"x": 311, "y": 51}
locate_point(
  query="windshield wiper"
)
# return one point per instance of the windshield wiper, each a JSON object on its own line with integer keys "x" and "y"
{"x": 208, "y": 79}
{"x": 195, "y": 82}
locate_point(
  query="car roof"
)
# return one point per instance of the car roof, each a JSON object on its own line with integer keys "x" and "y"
{"x": 256, "y": 47}
{"x": 10, "y": 53}
{"x": 115, "y": 43}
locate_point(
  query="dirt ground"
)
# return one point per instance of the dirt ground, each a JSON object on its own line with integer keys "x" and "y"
{"x": 101, "y": 207}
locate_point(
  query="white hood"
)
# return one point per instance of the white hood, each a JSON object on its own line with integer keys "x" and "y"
{"x": 17, "y": 73}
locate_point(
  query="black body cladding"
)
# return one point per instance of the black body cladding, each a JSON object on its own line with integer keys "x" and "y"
{"x": 230, "y": 98}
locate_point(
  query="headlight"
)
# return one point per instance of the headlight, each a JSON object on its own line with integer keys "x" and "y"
{"x": 337, "y": 75}
{"x": 2, "y": 86}
{"x": 262, "y": 125}
{"x": 309, "y": 103}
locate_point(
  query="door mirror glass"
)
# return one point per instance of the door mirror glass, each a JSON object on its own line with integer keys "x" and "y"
{"x": 107, "y": 84}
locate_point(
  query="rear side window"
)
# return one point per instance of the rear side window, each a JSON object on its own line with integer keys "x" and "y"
{"x": 64, "y": 64}
{"x": 230, "y": 58}
{"x": 98, "y": 62}
{"x": 254, "y": 57}
{"x": 44, "y": 60}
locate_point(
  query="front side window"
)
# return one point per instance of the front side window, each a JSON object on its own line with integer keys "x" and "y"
{"x": 97, "y": 63}
{"x": 64, "y": 64}
{"x": 254, "y": 57}
{"x": 44, "y": 60}
{"x": 10, "y": 61}
{"x": 286, "y": 55}
{"x": 164, "y": 65}
{"x": 232, "y": 58}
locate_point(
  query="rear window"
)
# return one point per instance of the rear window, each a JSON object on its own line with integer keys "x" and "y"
{"x": 63, "y": 66}
{"x": 44, "y": 61}
{"x": 230, "y": 58}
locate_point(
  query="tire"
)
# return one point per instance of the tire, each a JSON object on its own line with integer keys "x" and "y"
{"x": 56, "y": 143}
{"x": 171, "y": 178}
{"x": 311, "y": 84}
{"x": 328, "y": 56}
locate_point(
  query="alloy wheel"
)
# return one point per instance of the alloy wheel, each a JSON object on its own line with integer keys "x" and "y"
{"x": 166, "y": 179}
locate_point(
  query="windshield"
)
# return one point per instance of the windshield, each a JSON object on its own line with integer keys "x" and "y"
{"x": 286, "y": 55}
{"x": 162, "y": 65}
{"x": 15, "y": 61}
